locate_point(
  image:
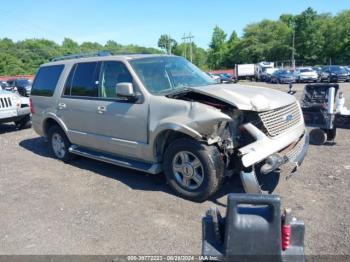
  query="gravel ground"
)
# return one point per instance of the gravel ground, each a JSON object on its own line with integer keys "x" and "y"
{"x": 88, "y": 207}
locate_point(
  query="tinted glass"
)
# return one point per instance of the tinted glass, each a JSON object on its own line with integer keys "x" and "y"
{"x": 85, "y": 80}
{"x": 305, "y": 70}
{"x": 68, "y": 86}
{"x": 46, "y": 80}
{"x": 113, "y": 73}
{"x": 22, "y": 83}
{"x": 338, "y": 69}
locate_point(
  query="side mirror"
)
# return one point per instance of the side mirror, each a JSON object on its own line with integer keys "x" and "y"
{"x": 125, "y": 90}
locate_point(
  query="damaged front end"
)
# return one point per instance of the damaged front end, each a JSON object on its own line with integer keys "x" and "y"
{"x": 253, "y": 142}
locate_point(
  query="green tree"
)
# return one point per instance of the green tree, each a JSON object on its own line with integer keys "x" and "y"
{"x": 309, "y": 41}
{"x": 199, "y": 54}
{"x": 217, "y": 48}
{"x": 167, "y": 43}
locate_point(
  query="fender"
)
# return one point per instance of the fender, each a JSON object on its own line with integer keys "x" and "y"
{"x": 57, "y": 120}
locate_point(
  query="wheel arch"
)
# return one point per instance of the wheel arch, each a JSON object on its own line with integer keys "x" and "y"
{"x": 52, "y": 120}
{"x": 165, "y": 137}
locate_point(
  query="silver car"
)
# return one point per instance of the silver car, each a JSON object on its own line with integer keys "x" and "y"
{"x": 158, "y": 113}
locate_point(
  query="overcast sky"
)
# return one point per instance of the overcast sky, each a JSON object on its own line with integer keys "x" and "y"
{"x": 142, "y": 21}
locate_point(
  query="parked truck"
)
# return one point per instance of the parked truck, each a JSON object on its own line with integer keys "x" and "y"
{"x": 245, "y": 71}
{"x": 263, "y": 69}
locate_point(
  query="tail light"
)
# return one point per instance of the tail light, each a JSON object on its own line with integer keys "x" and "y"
{"x": 31, "y": 106}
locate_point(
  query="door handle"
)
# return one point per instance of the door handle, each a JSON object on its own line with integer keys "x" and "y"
{"x": 62, "y": 105}
{"x": 101, "y": 109}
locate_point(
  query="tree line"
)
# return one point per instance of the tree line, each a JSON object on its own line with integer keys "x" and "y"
{"x": 319, "y": 39}
{"x": 24, "y": 57}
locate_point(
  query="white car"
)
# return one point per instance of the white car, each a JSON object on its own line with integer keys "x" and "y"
{"x": 306, "y": 74}
{"x": 214, "y": 77}
{"x": 14, "y": 108}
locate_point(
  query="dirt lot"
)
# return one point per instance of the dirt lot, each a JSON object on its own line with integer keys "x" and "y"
{"x": 88, "y": 207}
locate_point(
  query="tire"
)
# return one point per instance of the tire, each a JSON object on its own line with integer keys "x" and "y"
{"x": 318, "y": 137}
{"x": 210, "y": 170}
{"x": 331, "y": 134}
{"x": 24, "y": 123}
{"x": 56, "y": 133}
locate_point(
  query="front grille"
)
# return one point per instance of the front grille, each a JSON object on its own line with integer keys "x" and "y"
{"x": 294, "y": 152}
{"x": 5, "y": 102}
{"x": 279, "y": 120}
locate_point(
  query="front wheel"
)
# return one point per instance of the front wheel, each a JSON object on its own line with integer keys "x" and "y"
{"x": 193, "y": 170}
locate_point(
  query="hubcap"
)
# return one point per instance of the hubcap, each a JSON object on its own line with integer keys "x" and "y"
{"x": 58, "y": 145}
{"x": 188, "y": 170}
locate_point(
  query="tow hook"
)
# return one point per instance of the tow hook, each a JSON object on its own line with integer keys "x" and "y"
{"x": 272, "y": 163}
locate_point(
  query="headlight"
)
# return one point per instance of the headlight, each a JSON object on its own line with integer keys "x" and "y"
{"x": 16, "y": 100}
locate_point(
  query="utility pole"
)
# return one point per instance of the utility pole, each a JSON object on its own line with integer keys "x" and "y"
{"x": 293, "y": 49}
{"x": 292, "y": 25}
{"x": 188, "y": 40}
{"x": 170, "y": 44}
{"x": 185, "y": 46}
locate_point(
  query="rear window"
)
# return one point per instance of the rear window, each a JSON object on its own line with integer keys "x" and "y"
{"x": 46, "y": 80}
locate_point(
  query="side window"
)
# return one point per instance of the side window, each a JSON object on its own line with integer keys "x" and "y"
{"x": 46, "y": 80}
{"x": 112, "y": 73}
{"x": 85, "y": 80}
{"x": 68, "y": 85}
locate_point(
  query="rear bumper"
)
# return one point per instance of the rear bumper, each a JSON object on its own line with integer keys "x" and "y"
{"x": 287, "y": 80}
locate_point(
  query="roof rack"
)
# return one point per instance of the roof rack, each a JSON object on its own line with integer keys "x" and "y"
{"x": 81, "y": 55}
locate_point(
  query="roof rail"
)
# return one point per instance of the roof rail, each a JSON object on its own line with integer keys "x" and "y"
{"x": 81, "y": 55}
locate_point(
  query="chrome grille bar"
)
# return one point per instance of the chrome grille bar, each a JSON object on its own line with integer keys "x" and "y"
{"x": 279, "y": 120}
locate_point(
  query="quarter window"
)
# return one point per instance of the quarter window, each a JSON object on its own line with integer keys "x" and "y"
{"x": 46, "y": 80}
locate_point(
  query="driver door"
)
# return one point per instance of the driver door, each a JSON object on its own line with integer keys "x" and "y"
{"x": 121, "y": 125}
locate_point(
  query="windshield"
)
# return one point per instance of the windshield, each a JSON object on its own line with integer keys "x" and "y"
{"x": 337, "y": 69}
{"x": 286, "y": 73}
{"x": 163, "y": 75}
{"x": 22, "y": 83}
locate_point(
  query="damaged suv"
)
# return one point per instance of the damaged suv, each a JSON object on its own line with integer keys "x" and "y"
{"x": 157, "y": 113}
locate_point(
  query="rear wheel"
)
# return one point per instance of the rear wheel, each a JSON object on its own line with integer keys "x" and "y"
{"x": 193, "y": 170}
{"x": 59, "y": 144}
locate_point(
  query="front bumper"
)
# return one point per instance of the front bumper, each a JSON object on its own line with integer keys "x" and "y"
{"x": 265, "y": 151}
{"x": 291, "y": 146}
{"x": 308, "y": 78}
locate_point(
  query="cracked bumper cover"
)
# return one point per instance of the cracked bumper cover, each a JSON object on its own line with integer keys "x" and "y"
{"x": 265, "y": 147}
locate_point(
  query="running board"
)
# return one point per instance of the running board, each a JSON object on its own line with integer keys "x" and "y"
{"x": 114, "y": 160}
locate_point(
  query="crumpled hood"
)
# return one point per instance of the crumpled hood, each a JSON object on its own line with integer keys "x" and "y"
{"x": 247, "y": 97}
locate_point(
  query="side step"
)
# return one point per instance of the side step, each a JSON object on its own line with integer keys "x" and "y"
{"x": 114, "y": 160}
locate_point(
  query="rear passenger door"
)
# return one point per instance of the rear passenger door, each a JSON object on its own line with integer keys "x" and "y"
{"x": 77, "y": 106}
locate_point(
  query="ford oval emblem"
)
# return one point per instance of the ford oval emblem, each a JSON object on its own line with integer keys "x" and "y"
{"x": 288, "y": 118}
